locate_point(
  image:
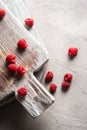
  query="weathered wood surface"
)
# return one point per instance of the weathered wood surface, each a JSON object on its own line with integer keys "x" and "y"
{"x": 18, "y": 8}
{"x": 38, "y": 99}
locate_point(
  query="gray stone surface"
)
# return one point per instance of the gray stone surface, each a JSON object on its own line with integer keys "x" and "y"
{"x": 62, "y": 24}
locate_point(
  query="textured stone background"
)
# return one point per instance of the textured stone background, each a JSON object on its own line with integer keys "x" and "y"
{"x": 62, "y": 24}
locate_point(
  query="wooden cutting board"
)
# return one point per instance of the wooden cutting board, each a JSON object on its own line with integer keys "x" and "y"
{"x": 18, "y": 9}
{"x": 37, "y": 99}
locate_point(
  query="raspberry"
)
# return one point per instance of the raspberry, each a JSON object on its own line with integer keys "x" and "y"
{"x": 22, "y": 44}
{"x": 12, "y": 68}
{"x": 68, "y": 77}
{"x": 11, "y": 58}
{"x": 21, "y": 70}
{"x": 49, "y": 76}
{"x": 2, "y": 13}
{"x": 53, "y": 87}
{"x": 65, "y": 85}
{"x": 22, "y": 91}
{"x": 72, "y": 51}
{"x": 29, "y": 22}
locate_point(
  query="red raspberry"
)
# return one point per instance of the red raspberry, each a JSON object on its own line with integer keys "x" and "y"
{"x": 11, "y": 58}
{"x": 2, "y": 13}
{"x": 53, "y": 87}
{"x": 49, "y": 76}
{"x": 21, "y": 70}
{"x": 12, "y": 68}
{"x": 22, "y": 44}
{"x": 65, "y": 85}
{"x": 68, "y": 77}
{"x": 29, "y": 22}
{"x": 72, "y": 51}
{"x": 22, "y": 91}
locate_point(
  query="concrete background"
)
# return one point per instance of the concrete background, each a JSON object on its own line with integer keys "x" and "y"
{"x": 62, "y": 24}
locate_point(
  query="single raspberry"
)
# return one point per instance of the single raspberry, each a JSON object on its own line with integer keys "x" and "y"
{"x": 2, "y": 13}
{"x": 53, "y": 87}
{"x": 49, "y": 76}
{"x": 29, "y": 22}
{"x": 68, "y": 77}
{"x": 22, "y": 44}
{"x": 12, "y": 68}
{"x": 21, "y": 70}
{"x": 72, "y": 51}
{"x": 11, "y": 58}
{"x": 65, "y": 85}
{"x": 22, "y": 91}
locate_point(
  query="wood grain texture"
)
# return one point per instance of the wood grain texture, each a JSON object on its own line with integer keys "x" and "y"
{"x": 63, "y": 25}
{"x": 18, "y": 9}
{"x": 38, "y": 99}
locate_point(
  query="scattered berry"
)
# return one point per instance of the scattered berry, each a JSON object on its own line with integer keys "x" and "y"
{"x": 11, "y": 58}
{"x": 22, "y": 44}
{"x": 29, "y": 22}
{"x": 2, "y": 13}
{"x": 65, "y": 85}
{"x": 49, "y": 76}
{"x": 53, "y": 87}
{"x": 22, "y": 91}
{"x": 68, "y": 77}
{"x": 21, "y": 70}
{"x": 12, "y": 68}
{"x": 72, "y": 51}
